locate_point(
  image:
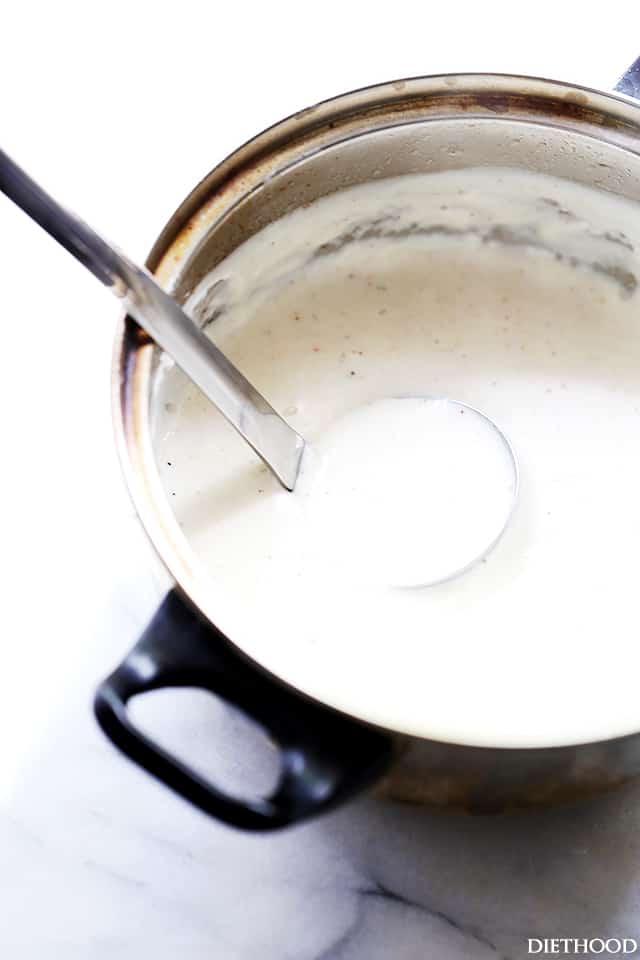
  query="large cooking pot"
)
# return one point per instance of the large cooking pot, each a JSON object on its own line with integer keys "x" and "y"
{"x": 327, "y": 755}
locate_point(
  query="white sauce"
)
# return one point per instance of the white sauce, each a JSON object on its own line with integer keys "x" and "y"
{"x": 402, "y": 492}
{"x": 508, "y": 292}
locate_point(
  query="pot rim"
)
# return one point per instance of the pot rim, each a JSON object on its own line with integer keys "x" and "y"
{"x": 611, "y": 117}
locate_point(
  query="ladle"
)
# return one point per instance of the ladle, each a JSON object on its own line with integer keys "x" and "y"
{"x": 435, "y": 503}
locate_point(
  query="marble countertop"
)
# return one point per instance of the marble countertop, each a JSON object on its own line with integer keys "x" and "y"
{"x": 96, "y": 859}
{"x": 99, "y": 861}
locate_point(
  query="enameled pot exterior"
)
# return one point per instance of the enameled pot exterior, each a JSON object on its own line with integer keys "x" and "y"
{"x": 403, "y": 127}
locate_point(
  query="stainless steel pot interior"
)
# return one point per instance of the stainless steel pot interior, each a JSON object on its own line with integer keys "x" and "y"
{"x": 411, "y": 126}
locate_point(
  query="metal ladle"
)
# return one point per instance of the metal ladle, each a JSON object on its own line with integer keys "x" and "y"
{"x": 278, "y": 444}
{"x": 453, "y": 459}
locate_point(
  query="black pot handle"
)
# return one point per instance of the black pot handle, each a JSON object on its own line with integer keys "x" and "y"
{"x": 325, "y": 756}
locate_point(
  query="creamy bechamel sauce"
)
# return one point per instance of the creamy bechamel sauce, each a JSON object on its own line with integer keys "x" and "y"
{"x": 513, "y": 293}
{"x": 403, "y": 492}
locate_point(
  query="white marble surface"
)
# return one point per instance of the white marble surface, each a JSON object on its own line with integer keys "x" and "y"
{"x": 96, "y": 860}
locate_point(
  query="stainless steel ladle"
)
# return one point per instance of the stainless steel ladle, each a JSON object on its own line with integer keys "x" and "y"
{"x": 278, "y": 444}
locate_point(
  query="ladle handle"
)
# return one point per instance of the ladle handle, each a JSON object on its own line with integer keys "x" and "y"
{"x": 165, "y": 321}
{"x": 325, "y": 756}
{"x": 73, "y": 234}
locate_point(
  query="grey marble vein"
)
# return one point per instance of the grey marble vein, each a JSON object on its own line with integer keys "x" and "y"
{"x": 379, "y": 891}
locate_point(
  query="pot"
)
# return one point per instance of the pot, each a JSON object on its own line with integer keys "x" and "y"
{"x": 329, "y": 754}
